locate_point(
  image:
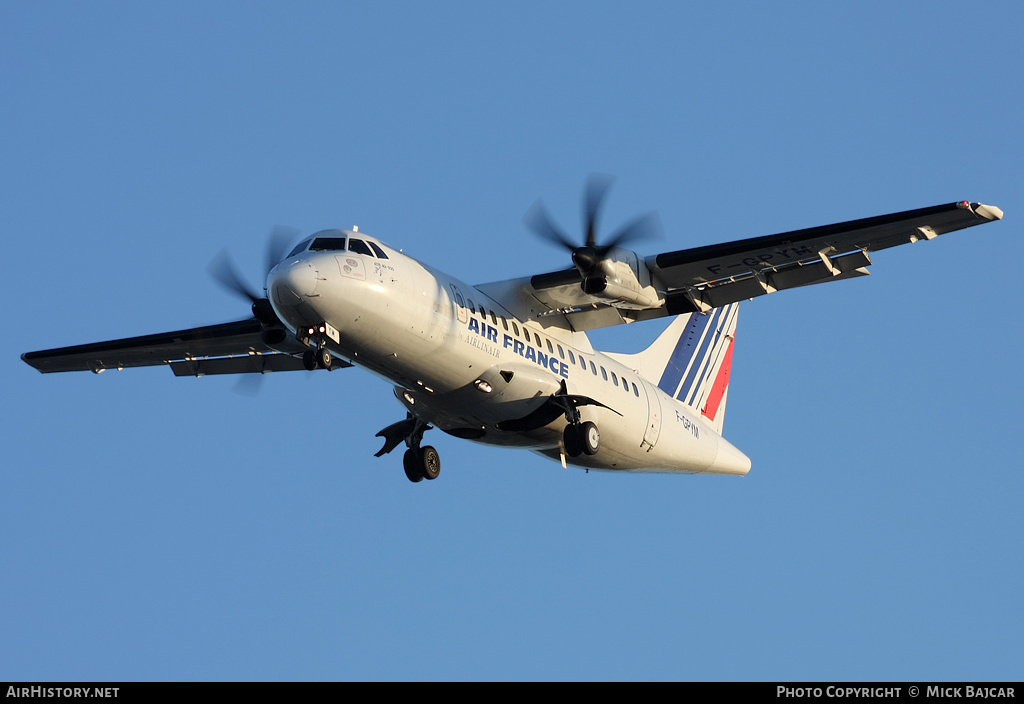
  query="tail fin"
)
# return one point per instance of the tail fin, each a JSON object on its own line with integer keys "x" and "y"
{"x": 692, "y": 359}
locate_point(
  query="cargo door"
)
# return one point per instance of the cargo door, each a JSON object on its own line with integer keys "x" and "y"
{"x": 653, "y": 430}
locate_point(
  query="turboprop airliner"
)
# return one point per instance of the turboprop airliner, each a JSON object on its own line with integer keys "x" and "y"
{"x": 509, "y": 363}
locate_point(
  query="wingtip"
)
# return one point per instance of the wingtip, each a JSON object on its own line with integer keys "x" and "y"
{"x": 989, "y": 212}
{"x": 28, "y": 358}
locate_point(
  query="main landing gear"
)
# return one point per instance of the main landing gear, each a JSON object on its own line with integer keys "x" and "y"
{"x": 419, "y": 462}
{"x": 581, "y": 438}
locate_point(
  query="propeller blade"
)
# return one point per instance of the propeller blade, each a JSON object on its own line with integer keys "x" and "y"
{"x": 223, "y": 270}
{"x": 588, "y": 256}
{"x": 249, "y": 385}
{"x": 278, "y": 242}
{"x": 593, "y": 196}
{"x": 538, "y": 220}
{"x": 644, "y": 227}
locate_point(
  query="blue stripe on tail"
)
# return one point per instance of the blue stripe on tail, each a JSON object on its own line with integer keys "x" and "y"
{"x": 700, "y": 360}
{"x": 681, "y": 354}
{"x": 709, "y": 361}
{"x": 696, "y": 352}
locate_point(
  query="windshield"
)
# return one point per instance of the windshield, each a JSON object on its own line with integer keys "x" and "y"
{"x": 300, "y": 247}
{"x": 321, "y": 244}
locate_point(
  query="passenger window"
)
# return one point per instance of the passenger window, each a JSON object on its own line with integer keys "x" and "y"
{"x": 504, "y": 323}
{"x": 593, "y": 369}
{"x": 377, "y": 250}
{"x": 469, "y": 302}
{"x": 625, "y": 385}
{"x": 550, "y": 349}
{"x": 615, "y": 379}
{"x": 494, "y": 319}
{"x": 583, "y": 362}
{"x": 572, "y": 357}
{"x": 515, "y": 328}
{"x": 537, "y": 338}
{"x": 604, "y": 374}
{"x": 359, "y": 247}
{"x": 636, "y": 391}
{"x": 560, "y": 352}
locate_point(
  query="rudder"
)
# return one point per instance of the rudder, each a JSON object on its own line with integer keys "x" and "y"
{"x": 692, "y": 359}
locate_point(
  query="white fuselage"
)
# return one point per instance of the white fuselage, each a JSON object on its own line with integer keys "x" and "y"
{"x": 462, "y": 363}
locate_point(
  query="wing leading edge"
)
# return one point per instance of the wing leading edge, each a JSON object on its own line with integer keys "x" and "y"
{"x": 703, "y": 278}
{"x": 227, "y": 348}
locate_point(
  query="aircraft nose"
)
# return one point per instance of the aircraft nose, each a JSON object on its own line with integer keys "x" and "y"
{"x": 290, "y": 284}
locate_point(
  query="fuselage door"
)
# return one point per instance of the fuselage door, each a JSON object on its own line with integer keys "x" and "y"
{"x": 653, "y": 429}
{"x": 460, "y": 304}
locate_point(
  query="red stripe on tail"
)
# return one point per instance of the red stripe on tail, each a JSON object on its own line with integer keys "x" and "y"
{"x": 721, "y": 384}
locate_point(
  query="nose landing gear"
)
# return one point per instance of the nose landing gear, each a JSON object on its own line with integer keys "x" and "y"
{"x": 321, "y": 357}
{"x": 318, "y": 359}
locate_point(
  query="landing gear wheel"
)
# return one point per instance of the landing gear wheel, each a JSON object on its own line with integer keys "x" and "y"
{"x": 572, "y": 440}
{"x": 411, "y": 462}
{"x": 309, "y": 360}
{"x": 430, "y": 462}
{"x": 324, "y": 358}
{"x": 590, "y": 437}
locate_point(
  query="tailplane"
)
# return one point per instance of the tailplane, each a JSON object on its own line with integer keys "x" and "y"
{"x": 691, "y": 361}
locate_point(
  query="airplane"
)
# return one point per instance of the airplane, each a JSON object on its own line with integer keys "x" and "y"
{"x": 509, "y": 363}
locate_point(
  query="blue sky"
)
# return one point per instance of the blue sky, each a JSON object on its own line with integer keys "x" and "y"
{"x": 156, "y": 528}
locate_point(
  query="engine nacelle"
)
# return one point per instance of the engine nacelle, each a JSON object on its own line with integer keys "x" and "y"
{"x": 621, "y": 293}
{"x": 614, "y": 279}
{"x": 280, "y": 340}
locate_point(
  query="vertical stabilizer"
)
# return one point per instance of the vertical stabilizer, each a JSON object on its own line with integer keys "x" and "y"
{"x": 691, "y": 360}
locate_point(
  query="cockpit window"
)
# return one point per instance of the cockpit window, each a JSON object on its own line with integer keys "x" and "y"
{"x": 300, "y": 247}
{"x": 380, "y": 252}
{"x": 321, "y": 244}
{"x": 359, "y": 247}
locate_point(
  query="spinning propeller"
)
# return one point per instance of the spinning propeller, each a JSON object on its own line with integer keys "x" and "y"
{"x": 223, "y": 270}
{"x": 588, "y": 256}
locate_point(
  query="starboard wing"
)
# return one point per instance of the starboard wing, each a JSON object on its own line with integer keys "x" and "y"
{"x": 703, "y": 278}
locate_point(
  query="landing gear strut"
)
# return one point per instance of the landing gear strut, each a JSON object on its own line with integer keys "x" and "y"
{"x": 420, "y": 463}
{"x": 580, "y": 436}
